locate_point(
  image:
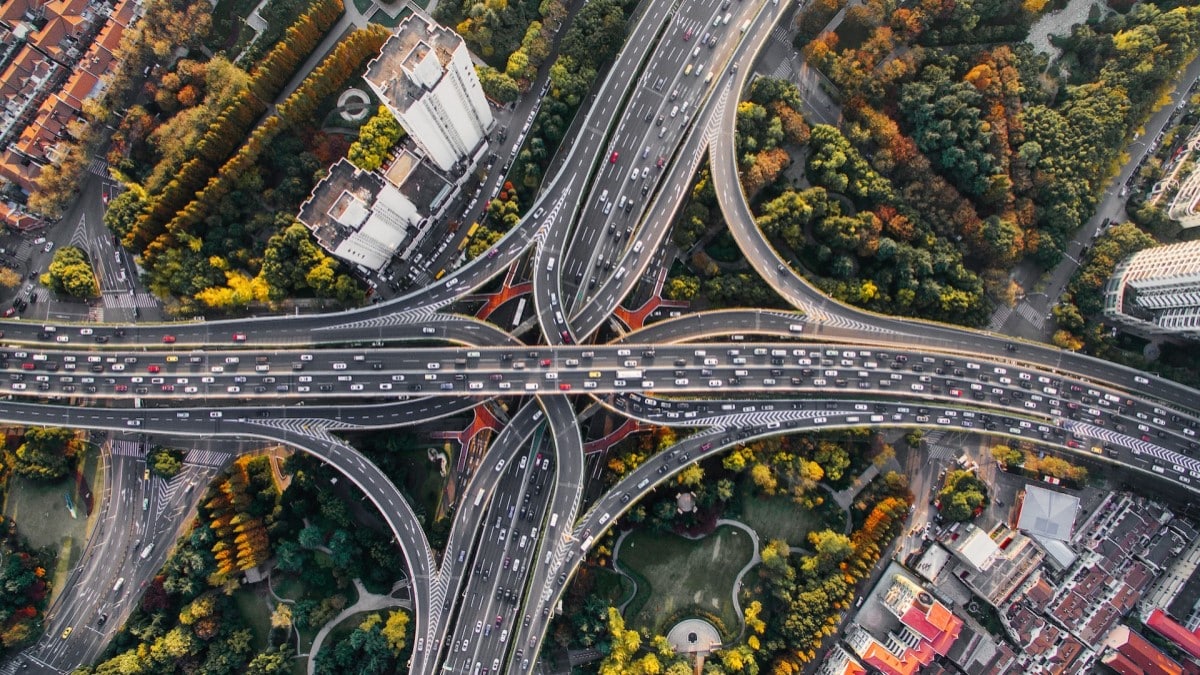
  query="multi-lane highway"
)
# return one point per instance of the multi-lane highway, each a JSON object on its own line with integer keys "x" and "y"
{"x": 484, "y": 603}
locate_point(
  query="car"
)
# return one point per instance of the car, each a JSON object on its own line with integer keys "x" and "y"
{"x": 153, "y": 368}
{"x": 612, "y": 159}
{"x": 101, "y": 339}
{"x": 67, "y": 632}
{"x": 62, "y": 338}
{"x": 49, "y": 247}
{"x": 687, "y": 35}
{"x": 239, "y": 337}
{"x": 168, "y": 339}
{"x": 10, "y": 312}
{"x": 564, "y": 387}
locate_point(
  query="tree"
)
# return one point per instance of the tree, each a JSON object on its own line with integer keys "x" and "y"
{"x": 9, "y": 278}
{"x": 1006, "y": 455}
{"x": 70, "y": 273}
{"x": 962, "y": 496}
{"x": 46, "y": 452}
{"x": 395, "y": 631}
{"x": 375, "y": 140}
{"x": 271, "y": 662}
{"x": 166, "y": 462}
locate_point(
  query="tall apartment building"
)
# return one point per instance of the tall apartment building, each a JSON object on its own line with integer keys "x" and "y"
{"x": 1157, "y": 291}
{"x": 424, "y": 75}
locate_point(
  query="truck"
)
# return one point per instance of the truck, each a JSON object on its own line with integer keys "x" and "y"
{"x": 629, "y": 374}
{"x": 746, "y": 25}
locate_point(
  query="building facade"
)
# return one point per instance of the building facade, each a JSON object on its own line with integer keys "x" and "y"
{"x": 1157, "y": 291}
{"x": 424, "y": 75}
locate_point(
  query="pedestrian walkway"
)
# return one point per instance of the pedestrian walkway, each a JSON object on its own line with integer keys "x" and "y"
{"x": 98, "y": 167}
{"x": 1000, "y": 317}
{"x": 126, "y": 449}
{"x": 1031, "y": 314}
{"x": 123, "y": 300}
{"x": 367, "y": 602}
{"x": 210, "y": 458}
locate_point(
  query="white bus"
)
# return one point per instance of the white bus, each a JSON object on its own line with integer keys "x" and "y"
{"x": 479, "y": 497}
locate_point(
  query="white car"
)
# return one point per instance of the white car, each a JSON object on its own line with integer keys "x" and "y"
{"x": 385, "y": 386}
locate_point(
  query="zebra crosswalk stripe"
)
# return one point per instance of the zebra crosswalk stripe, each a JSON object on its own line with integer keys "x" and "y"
{"x": 127, "y": 301}
{"x": 999, "y": 317}
{"x": 209, "y": 458}
{"x": 1031, "y": 315}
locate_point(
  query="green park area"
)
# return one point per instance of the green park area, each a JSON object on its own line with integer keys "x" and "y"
{"x": 674, "y": 573}
{"x": 40, "y": 510}
{"x": 778, "y": 517}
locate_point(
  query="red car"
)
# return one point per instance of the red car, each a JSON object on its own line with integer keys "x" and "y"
{"x": 9, "y": 312}
{"x": 154, "y": 369}
{"x": 564, "y": 387}
{"x": 613, "y": 158}
{"x": 239, "y": 337}
{"x": 546, "y": 363}
{"x": 168, "y": 339}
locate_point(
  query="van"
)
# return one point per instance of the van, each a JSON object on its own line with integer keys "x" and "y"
{"x": 746, "y": 25}
{"x": 708, "y": 78}
{"x": 637, "y": 248}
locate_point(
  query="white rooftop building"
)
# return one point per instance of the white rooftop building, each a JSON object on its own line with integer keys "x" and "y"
{"x": 425, "y": 76}
{"x": 1157, "y": 291}
{"x": 358, "y": 216}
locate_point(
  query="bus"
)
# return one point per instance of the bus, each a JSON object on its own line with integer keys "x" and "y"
{"x": 479, "y": 497}
{"x": 146, "y": 551}
{"x": 118, "y": 585}
{"x": 553, "y": 519}
{"x": 587, "y": 543}
{"x": 472, "y": 230}
{"x": 520, "y": 312}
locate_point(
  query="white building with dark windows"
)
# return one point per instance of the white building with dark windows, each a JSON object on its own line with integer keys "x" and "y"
{"x": 1157, "y": 291}
{"x": 358, "y": 216}
{"x": 425, "y": 76}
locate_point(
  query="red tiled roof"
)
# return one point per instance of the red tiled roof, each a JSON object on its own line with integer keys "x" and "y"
{"x": 1122, "y": 665}
{"x": 123, "y": 13}
{"x": 12, "y": 168}
{"x": 14, "y": 11}
{"x": 78, "y": 88}
{"x": 1168, "y": 628}
{"x": 1149, "y": 659}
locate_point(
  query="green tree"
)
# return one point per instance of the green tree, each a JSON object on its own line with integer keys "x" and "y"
{"x": 70, "y": 273}
{"x": 962, "y": 495}
{"x": 375, "y": 140}
{"x": 166, "y": 462}
{"x": 46, "y": 452}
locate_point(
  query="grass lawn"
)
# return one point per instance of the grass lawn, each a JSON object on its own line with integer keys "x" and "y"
{"x": 229, "y": 32}
{"x": 253, "y": 607}
{"x": 684, "y": 573}
{"x": 778, "y": 517}
{"x": 40, "y": 511}
{"x": 613, "y": 587}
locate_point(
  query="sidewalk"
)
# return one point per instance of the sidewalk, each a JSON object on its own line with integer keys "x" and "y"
{"x": 367, "y": 602}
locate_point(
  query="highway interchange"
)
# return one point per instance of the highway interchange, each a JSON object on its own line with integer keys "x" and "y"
{"x": 520, "y": 529}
